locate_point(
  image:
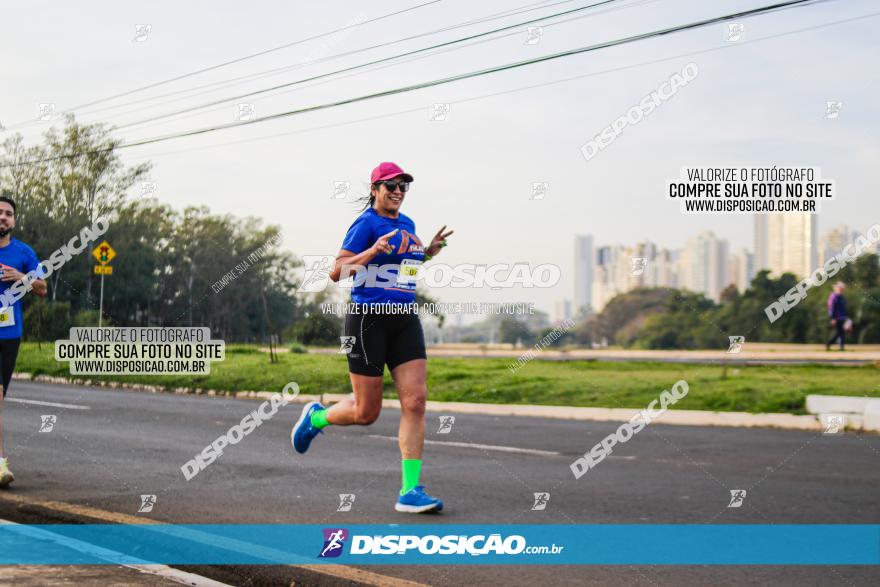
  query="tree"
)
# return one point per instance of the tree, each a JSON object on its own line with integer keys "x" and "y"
{"x": 46, "y": 321}
{"x": 623, "y": 316}
{"x": 514, "y": 332}
{"x": 314, "y": 326}
{"x": 729, "y": 294}
{"x": 687, "y": 323}
{"x": 174, "y": 268}
{"x": 61, "y": 186}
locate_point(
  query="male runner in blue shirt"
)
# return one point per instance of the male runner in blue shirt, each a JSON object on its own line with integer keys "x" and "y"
{"x": 16, "y": 259}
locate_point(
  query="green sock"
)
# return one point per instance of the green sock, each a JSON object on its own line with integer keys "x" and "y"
{"x": 319, "y": 419}
{"x": 411, "y": 468}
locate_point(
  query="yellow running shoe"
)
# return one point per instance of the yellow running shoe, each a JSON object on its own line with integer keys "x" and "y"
{"x": 6, "y": 476}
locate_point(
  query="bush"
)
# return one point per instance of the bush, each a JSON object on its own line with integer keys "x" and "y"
{"x": 298, "y": 349}
{"x": 242, "y": 350}
{"x": 46, "y": 321}
{"x": 316, "y": 329}
{"x": 89, "y": 318}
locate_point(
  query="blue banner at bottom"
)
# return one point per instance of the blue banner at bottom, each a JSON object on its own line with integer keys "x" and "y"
{"x": 433, "y": 544}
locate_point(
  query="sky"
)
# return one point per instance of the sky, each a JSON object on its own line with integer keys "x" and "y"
{"x": 756, "y": 102}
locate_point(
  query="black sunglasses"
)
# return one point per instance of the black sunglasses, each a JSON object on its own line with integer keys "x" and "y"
{"x": 392, "y": 185}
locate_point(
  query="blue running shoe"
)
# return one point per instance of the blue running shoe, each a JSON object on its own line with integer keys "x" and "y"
{"x": 416, "y": 501}
{"x": 303, "y": 432}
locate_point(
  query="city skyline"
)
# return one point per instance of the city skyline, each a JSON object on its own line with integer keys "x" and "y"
{"x": 705, "y": 263}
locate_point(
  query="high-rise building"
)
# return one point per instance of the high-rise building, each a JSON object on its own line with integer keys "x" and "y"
{"x": 786, "y": 243}
{"x": 703, "y": 265}
{"x": 620, "y": 269}
{"x": 832, "y": 242}
{"x": 583, "y": 272}
{"x": 639, "y": 266}
{"x": 760, "y": 250}
{"x": 665, "y": 268}
{"x": 741, "y": 269}
{"x": 562, "y": 311}
{"x": 606, "y": 281}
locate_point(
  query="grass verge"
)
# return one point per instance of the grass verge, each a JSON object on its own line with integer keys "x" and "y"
{"x": 569, "y": 383}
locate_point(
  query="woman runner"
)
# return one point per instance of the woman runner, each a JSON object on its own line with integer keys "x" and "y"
{"x": 382, "y": 247}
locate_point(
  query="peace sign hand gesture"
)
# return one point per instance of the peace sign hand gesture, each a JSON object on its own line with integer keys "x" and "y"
{"x": 438, "y": 242}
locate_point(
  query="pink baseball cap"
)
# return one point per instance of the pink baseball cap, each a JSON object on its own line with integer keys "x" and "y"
{"x": 388, "y": 170}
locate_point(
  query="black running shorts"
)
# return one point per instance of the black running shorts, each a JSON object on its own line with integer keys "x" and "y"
{"x": 8, "y": 356}
{"x": 373, "y": 338}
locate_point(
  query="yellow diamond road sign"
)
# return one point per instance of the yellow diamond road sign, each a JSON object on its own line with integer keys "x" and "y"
{"x": 104, "y": 253}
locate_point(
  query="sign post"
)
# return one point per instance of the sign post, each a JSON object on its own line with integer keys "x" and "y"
{"x": 104, "y": 253}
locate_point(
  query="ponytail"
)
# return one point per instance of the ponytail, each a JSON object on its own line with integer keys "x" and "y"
{"x": 367, "y": 200}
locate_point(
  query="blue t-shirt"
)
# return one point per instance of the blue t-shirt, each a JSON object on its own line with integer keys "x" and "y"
{"x": 389, "y": 278}
{"x": 23, "y": 258}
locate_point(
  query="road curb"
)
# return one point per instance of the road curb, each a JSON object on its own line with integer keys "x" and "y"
{"x": 675, "y": 417}
{"x": 143, "y": 387}
{"x": 678, "y": 417}
{"x": 861, "y": 412}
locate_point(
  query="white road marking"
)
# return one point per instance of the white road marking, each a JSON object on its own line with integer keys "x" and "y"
{"x": 49, "y": 404}
{"x": 526, "y": 451}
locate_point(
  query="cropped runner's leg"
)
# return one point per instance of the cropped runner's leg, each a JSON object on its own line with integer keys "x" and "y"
{"x": 8, "y": 356}
{"x": 411, "y": 381}
{"x": 366, "y": 365}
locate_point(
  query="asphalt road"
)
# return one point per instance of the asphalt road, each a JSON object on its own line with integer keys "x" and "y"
{"x": 130, "y": 443}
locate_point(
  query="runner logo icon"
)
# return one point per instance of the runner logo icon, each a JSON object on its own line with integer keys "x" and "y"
{"x": 541, "y": 500}
{"x": 47, "y": 422}
{"x": 737, "y": 497}
{"x": 834, "y": 423}
{"x": 317, "y": 273}
{"x": 346, "y": 500}
{"x": 639, "y": 264}
{"x": 347, "y": 344}
{"x": 334, "y": 540}
{"x": 446, "y": 423}
{"x": 736, "y": 343}
{"x": 147, "y": 503}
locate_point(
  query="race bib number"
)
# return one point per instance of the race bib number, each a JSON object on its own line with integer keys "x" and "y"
{"x": 408, "y": 272}
{"x": 7, "y": 318}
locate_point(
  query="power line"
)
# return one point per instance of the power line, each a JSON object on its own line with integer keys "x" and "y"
{"x": 513, "y": 90}
{"x": 362, "y": 65}
{"x": 257, "y": 54}
{"x": 277, "y": 70}
{"x": 405, "y": 60}
{"x": 233, "y": 61}
{"x": 268, "y": 73}
{"x": 509, "y": 66}
{"x": 487, "y": 71}
{"x": 437, "y": 52}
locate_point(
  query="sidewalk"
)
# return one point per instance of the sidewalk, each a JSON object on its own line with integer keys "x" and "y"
{"x": 49, "y": 545}
{"x": 85, "y": 576}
